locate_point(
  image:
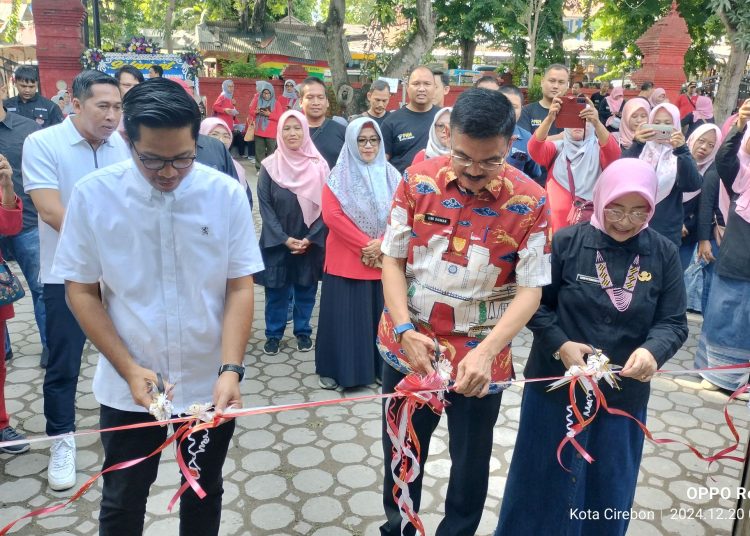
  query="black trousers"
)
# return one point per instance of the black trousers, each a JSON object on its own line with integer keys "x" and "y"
{"x": 65, "y": 341}
{"x": 124, "y": 495}
{"x": 471, "y": 422}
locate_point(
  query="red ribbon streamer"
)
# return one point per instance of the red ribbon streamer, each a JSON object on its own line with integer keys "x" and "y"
{"x": 601, "y": 402}
{"x": 418, "y": 390}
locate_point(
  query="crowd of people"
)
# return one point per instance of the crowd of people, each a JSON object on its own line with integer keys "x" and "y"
{"x": 434, "y": 234}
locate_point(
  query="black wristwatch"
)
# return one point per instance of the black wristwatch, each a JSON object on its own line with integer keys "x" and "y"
{"x": 239, "y": 369}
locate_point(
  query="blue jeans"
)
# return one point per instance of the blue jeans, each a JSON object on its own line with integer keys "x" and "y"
{"x": 277, "y": 304}
{"x": 24, "y": 247}
{"x": 536, "y": 478}
{"x": 66, "y": 340}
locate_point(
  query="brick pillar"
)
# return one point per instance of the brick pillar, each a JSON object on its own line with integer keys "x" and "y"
{"x": 664, "y": 46}
{"x": 59, "y": 41}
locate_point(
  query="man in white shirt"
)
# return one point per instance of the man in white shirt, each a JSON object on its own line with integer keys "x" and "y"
{"x": 173, "y": 246}
{"x": 54, "y": 159}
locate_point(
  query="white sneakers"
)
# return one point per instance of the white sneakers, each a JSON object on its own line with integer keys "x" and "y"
{"x": 61, "y": 471}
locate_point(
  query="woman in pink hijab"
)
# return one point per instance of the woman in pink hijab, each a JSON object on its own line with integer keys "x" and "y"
{"x": 610, "y": 109}
{"x": 616, "y": 290}
{"x": 658, "y": 97}
{"x": 634, "y": 114}
{"x": 664, "y": 148}
{"x": 703, "y": 114}
{"x": 724, "y": 339}
{"x": 292, "y": 239}
{"x": 218, "y": 128}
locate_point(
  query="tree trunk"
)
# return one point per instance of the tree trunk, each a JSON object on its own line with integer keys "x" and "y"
{"x": 168, "y": 30}
{"x": 245, "y": 15}
{"x": 259, "y": 17}
{"x": 333, "y": 28}
{"x": 729, "y": 86}
{"x": 418, "y": 44}
{"x": 468, "y": 49}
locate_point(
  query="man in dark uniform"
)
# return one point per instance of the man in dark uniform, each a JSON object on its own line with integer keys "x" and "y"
{"x": 29, "y": 103}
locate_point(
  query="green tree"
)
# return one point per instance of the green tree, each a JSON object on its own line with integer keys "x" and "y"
{"x": 624, "y": 21}
{"x": 735, "y": 16}
{"x": 463, "y": 24}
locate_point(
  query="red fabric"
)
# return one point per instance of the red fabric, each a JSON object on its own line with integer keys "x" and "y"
{"x": 686, "y": 105}
{"x": 273, "y": 119}
{"x": 419, "y": 157}
{"x": 344, "y": 243}
{"x": 220, "y": 105}
{"x": 559, "y": 201}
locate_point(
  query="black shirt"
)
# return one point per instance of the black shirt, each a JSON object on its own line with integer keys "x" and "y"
{"x": 13, "y": 132}
{"x": 597, "y": 97}
{"x": 575, "y": 308}
{"x": 669, "y": 215}
{"x": 734, "y": 252}
{"x": 532, "y": 116}
{"x": 405, "y": 133}
{"x": 708, "y": 207}
{"x": 212, "y": 153}
{"x": 378, "y": 120}
{"x": 45, "y": 112}
{"x": 328, "y": 139}
{"x": 282, "y": 218}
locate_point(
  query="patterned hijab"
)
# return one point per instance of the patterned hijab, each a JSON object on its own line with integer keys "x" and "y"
{"x": 365, "y": 190}
{"x": 260, "y": 87}
{"x": 302, "y": 171}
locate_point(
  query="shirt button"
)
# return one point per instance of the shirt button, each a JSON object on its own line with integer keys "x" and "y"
{"x": 607, "y": 319}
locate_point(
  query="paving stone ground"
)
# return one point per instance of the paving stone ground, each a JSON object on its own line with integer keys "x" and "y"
{"x": 317, "y": 472}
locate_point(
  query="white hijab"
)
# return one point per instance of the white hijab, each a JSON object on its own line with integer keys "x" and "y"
{"x": 434, "y": 146}
{"x": 584, "y": 162}
{"x": 364, "y": 190}
{"x": 660, "y": 155}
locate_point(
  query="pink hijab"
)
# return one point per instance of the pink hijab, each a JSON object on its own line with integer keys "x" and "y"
{"x": 704, "y": 164}
{"x": 210, "y": 124}
{"x": 614, "y": 100}
{"x": 660, "y": 156}
{"x": 302, "y": 171}
{"x": 632, "y": 106}
{"x": 741, "y": 185}
{"x": 704, "y": 109}
{"x": 659, "y": 91}
{"x": 622, "y": 177}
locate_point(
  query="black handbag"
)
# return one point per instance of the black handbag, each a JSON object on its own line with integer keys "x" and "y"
{"x": 11, "y": 289}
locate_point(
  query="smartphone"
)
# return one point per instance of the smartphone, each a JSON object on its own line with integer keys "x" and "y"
{"x": 663, "y": 132}
{"x": 568, "y": 116}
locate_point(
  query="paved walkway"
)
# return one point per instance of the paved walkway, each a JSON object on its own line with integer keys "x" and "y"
{"x": 317, "y": 472}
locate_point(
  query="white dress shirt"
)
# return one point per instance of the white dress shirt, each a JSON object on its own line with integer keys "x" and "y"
{"x": 56, "y": 158}
{"x": 163, "y": 260}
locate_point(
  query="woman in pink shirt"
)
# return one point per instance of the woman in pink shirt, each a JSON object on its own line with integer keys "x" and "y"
{"x": 356, "y": 203}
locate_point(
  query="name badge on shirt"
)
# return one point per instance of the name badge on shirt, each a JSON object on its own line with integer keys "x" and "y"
{"x": 431, "y": 218}
{"x": 587, "y": 279}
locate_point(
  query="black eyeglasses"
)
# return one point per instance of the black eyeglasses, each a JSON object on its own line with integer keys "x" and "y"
{"x": 463, "y": 161}
{"x": 362, "y": 142}
{"x": 157, "y": 164}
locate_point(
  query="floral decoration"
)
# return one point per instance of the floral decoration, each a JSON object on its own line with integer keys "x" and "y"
{"x": 192, "y": 63}
{"x": 141, "y": 45}
{"x": 91, "y": 58}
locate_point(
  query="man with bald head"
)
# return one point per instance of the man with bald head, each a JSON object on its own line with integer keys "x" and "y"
{"x": 406, "y": 131}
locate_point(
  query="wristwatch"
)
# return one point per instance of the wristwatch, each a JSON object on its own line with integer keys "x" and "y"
{"x": 399, "y": 330}
{"x": 239, "y": 369}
